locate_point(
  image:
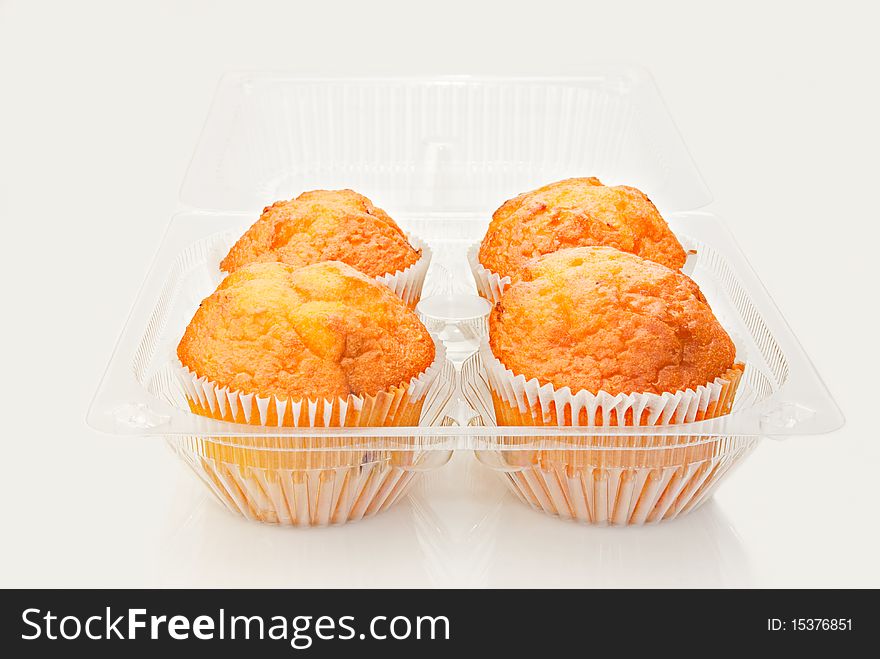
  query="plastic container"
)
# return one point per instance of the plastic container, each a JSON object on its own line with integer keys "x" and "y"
{"x": 440, "y": 155}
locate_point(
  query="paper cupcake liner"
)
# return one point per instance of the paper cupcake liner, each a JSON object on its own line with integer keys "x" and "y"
{"x": 690, "y": 262}
{"x": 303, "y": 497}
{"x": 396, "y": 406}
{"x": 528, "y": 402}
{"x": 616, "y": 479}
{"x": 491, "y": 285}
{"x": 628, "y": 496}
{"x": 305, "y": 481}
{"x": 407, "y": 284}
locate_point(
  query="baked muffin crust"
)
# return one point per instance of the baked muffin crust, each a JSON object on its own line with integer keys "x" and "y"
{"x": 572, "y": 213}
{"x": 323, "y": 330}
{"x": 595, "y": 318}
{"x": 325, "y": 225}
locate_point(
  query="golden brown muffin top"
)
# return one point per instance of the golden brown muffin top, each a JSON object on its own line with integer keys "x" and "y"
{"x": 325, "y": 225}
{"x": 595, "y": 318}
{"x": 573, "y": 213}
{"x": 322, "y": 330}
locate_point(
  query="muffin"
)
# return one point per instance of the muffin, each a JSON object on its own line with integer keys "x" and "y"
{"x": 592, "y": 336}
{"x": 576, "y": 212}
{"x": 318, "y": 346}
{"x": 334, "y": 225}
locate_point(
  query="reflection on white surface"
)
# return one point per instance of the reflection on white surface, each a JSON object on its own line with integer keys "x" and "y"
{"x": 501, "y": 542}
{"x": 211, "y": 546}
{"x": 458, "y": 527}
{"x": 700, "y": 549}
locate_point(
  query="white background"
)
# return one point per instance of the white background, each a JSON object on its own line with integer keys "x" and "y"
{"x": 101, "y": 104}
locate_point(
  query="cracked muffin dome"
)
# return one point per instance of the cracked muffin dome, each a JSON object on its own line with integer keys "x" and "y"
{"x": 325, "y": 225}
{"x": 596, "y": 318}
{"x": 320, "y": 331}
{"x": 573, "y": 213}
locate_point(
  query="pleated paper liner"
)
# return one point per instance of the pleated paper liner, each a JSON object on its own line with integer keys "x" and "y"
{"x": 628, "y": 496}
{"x": 619, "y": 480}
{"x": 407, "y": 284}
{"x": 350, "y": 486}
{"x": 491, "y": 285}
{"x": 307, "y": 481}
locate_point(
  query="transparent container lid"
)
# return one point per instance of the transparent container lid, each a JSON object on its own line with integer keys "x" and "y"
{"x": 440, "y": 144}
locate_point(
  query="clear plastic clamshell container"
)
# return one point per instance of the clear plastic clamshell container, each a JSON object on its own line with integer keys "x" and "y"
{"x": 439, "y": 155}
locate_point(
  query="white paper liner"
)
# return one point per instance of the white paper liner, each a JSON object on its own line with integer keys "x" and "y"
{"x": 293, "y": 486}
{"x": 563, "y": 408}
{"x": 407, "y": 284}
{"x": 611, "y": 485}
{"x": 491, "y": 285}
{"x": 690, "y": 262}
{"x": 628, "y": 496}
{"x": 302, "y": 497}
{"x": 237, "y": 406}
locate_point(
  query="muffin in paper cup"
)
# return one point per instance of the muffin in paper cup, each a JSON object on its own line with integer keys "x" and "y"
{"x": 491, "y": 285}
{"x": 571, "y": 213}
{"x": 320, "y": 346}
{"x": 596, "y": 337}
{"x": 334, "y": 225}
{"x": 619, "y": 480}
{"x": 407, "y": 284}
{"x": 309, "y": 481}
